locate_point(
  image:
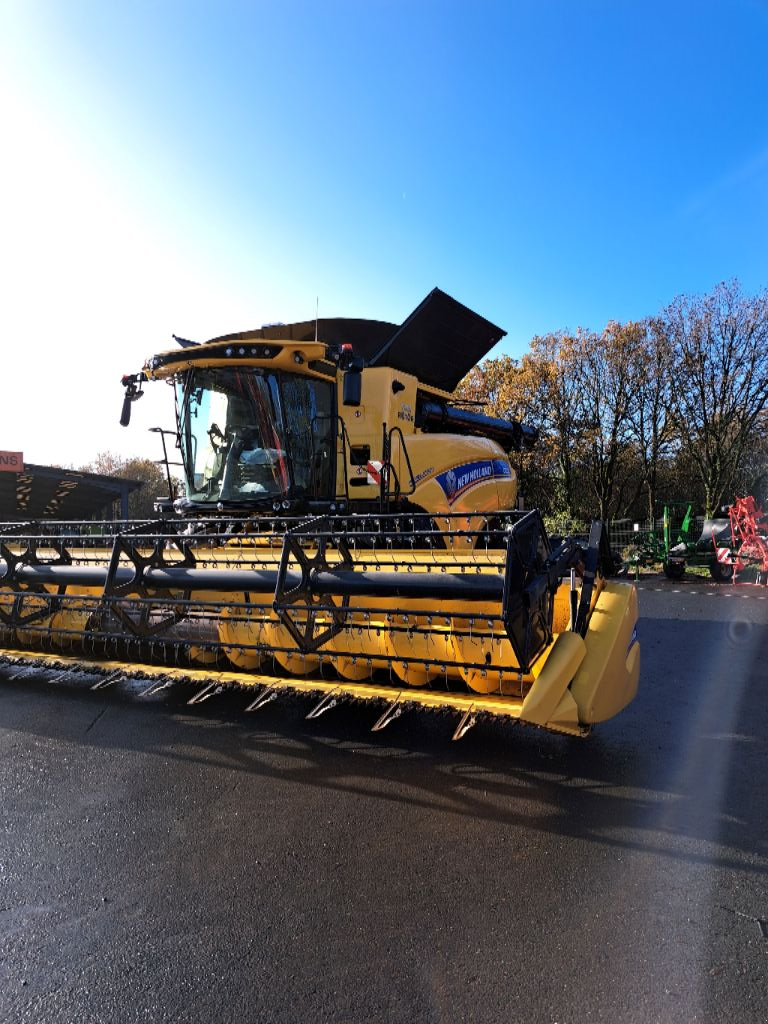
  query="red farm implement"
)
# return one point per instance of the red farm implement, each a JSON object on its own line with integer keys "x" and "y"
{"x": 749, "y": 541}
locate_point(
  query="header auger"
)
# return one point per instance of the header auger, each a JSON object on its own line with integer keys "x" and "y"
{"x": 348, "y": 529}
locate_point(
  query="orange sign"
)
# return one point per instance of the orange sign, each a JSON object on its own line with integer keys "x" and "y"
{"x": 11, "y": 462}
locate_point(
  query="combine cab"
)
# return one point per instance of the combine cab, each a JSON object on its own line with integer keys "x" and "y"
{"x": 347, "y": 529}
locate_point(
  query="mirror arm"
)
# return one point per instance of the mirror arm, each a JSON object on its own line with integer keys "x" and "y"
{"x": 132, "y": 383}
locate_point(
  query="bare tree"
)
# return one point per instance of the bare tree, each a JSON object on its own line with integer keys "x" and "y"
{"x": 652, "y": 426}
{"x": 675, "y": 406}
{"x": 555, "y": 362}
{"x": 608, "y": 372}
{"x": 719, "y": 348}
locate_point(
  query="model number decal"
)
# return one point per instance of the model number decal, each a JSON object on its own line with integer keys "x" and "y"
{"x": 423, "y": 475}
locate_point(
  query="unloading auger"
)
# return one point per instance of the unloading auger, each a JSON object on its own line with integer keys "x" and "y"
{"x": 347, "y": 529}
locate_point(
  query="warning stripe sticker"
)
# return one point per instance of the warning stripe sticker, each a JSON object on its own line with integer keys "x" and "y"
{"x": 373, "y": 468}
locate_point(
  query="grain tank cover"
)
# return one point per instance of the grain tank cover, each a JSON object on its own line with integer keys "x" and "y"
{"x": 439, "y": 342}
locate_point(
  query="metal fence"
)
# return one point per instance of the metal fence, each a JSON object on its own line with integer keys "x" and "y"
{"x": 625, "y": 532}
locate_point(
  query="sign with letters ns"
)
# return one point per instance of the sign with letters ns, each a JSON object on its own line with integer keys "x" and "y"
{"x": 11, "y": 462}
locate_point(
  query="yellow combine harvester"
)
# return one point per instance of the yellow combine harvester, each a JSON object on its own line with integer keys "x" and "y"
{"x": 348, "y": 529}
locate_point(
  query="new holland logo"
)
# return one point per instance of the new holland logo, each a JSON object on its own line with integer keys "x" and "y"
{"x": 456, "y": 481}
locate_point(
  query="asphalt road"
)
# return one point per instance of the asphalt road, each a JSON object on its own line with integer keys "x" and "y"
{"x": 162, "y": 863}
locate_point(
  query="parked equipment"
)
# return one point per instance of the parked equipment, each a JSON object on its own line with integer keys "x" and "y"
{"x": 676, "y": 545}
{"x": 748, "y": 550}
{"x": 671, "y": 544}
{"x": 348, "y": 528}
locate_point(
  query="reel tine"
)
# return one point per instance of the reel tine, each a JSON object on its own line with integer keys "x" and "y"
{"x": 207, "y": 691}
{"x": 394, "y": 711}
{"x": 156, "y": 688}
{"x": 329, "y": 701}
{"x": 101, "y": 684}
{"x": 62, "y": 675}
{"x": 468, "y": 719}
{"x": 269, "y": 693}
{"x": 25, "y": 670}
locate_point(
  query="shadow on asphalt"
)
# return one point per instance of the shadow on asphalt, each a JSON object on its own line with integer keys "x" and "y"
{"x": 685, "y": 760}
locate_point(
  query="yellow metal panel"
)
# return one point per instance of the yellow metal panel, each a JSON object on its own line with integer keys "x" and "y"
{"x": 441, "y": 452}
{"x": 607, "y": 679}
{"x": 544, "y": 697}
{"x": 380, "y": 404}
{"x": 286, "y": 359}
{"x": 565, "y": 717}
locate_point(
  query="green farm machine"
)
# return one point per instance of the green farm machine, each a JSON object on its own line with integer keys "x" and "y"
{"x": 677, "y": 546}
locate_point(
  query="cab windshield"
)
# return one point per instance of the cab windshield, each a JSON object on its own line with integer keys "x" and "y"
{"x": 251, "y": 435}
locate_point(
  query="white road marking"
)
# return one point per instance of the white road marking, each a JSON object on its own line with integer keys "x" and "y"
{"x": 704, "y": 593}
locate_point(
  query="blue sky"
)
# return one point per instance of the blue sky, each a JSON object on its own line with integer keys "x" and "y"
{"x": 204, "y": 167}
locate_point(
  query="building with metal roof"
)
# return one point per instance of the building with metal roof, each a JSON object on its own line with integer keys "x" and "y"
{"x": 47, "y": 492}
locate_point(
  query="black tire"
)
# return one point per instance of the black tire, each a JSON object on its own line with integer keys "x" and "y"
{"x": 719, "y": 571}
{"x": 674, "y": 570}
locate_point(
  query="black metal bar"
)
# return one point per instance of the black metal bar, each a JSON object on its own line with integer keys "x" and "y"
{"x": 165, "y": 461}
{"x": 591, "y": 566}
{"x": 404, "y": 448}
{"x": 440, "y": 586}
{"x": 333, "y": 583}
{"x": 510, "y": 434}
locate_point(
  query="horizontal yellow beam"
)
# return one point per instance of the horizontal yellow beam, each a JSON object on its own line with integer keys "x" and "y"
{"x": 501, "y": 707}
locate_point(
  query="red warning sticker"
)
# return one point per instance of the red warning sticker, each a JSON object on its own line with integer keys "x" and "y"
{"x": 373, "y": 468}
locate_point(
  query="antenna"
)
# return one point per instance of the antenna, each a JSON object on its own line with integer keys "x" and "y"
{"x": 317, "y": 310}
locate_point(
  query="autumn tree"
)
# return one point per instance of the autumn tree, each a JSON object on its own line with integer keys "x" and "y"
{"x": 152, "y": 476}
{"x": 512, "y": 389}
{"x": 495, "y": 385}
